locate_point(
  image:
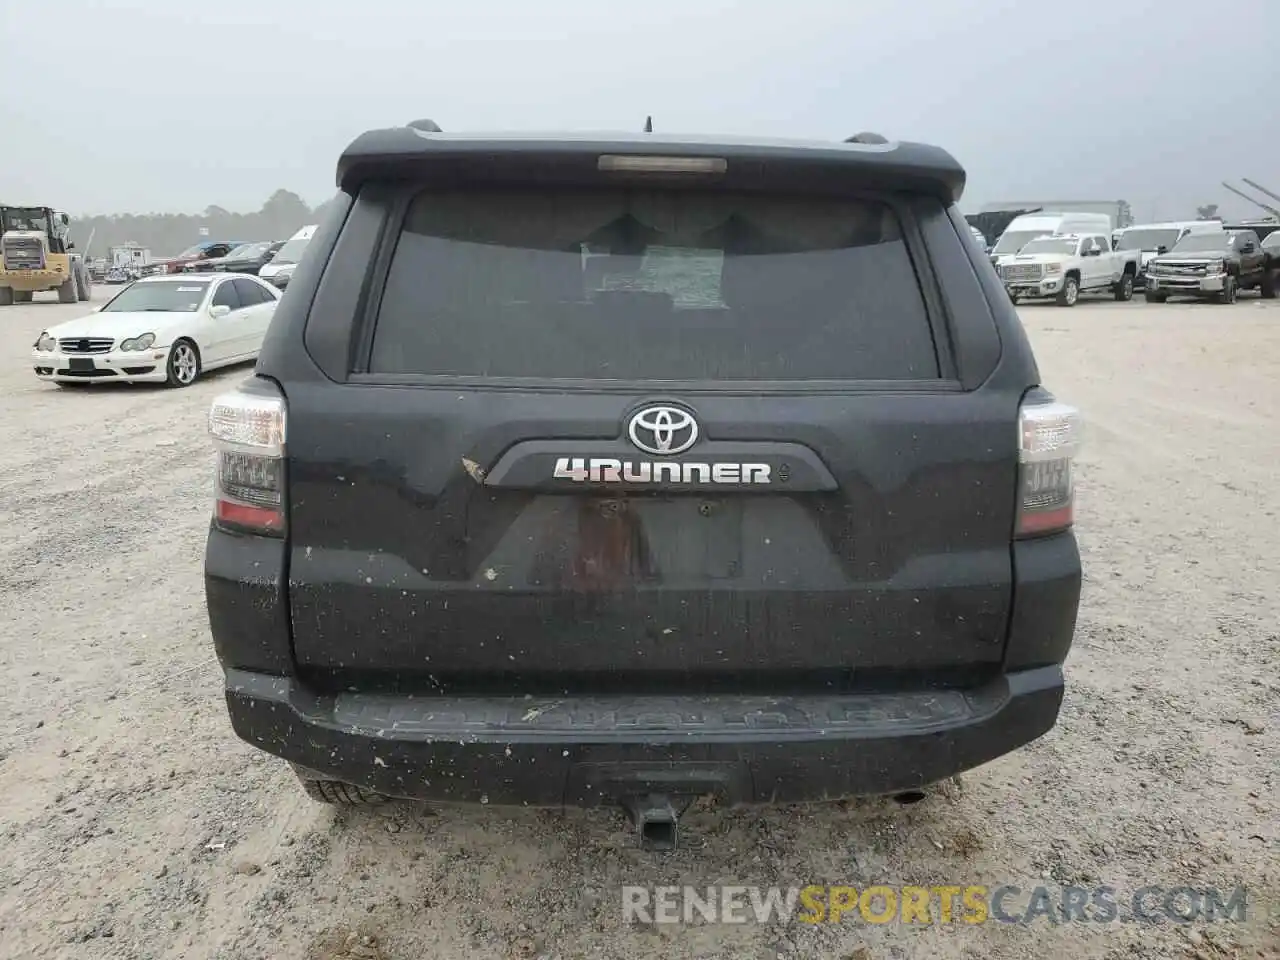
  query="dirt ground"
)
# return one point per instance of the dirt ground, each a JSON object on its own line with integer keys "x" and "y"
{"x": 133, "y": 824}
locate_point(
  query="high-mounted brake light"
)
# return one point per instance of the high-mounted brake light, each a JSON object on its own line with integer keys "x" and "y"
{"x": 642, "y": 164}
{"x": 248, "y": 431}
{"x": 1049, "y": 437}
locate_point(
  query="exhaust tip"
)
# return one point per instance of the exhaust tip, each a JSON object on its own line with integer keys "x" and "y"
{"x": 908, "y": 797}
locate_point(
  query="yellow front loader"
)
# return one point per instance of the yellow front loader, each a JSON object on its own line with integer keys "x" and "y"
{"x": 36, "y": 255}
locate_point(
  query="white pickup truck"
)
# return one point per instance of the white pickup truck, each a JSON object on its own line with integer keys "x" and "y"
{"x": 1063, "y": 266}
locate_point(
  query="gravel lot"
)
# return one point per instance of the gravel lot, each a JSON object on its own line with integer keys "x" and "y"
{"x": 134, "y": 825}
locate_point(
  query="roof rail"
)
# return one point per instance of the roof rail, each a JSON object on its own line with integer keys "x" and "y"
{"x": 866, "y": 137}
{"x": 427, "y": 126}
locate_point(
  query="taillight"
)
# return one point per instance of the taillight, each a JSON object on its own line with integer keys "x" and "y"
{"x": 248, "y": 431}
{"x": 1048, "y": 440}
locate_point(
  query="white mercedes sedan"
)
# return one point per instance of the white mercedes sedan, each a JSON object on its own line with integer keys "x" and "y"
{"x": 161, "y": 329}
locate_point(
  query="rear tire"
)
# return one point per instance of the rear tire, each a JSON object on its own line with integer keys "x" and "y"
{"x": 6, "y": 296}
{"x": 1070, "y": 293}
{"x": 1154, "y": 297}
{"x": 67, "y": 290}
{"x": 22, "y": 296}
{"x": 1124, "y": 289}
{"x": 339, "y": 794}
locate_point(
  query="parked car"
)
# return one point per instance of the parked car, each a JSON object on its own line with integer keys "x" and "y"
{"x": 206, "y": 250}
{"x": 160, "y": 330}
{"x": 1271, "y": 247}
{"x": 1064, "y": 267}
{"x": 1263, "y": 228}
{"x": 1153, "y": 239}
{"x": 993, "y": 223}
{"x": 527, "y": 533}
{"x": 280, "y": 270}
{"x": 1210, "y": 266}
{"x": 1030, "y": 226}
{"x": 247, "y": 258}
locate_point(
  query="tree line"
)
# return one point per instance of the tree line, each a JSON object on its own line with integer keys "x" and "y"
{"x": 168, "y": 234}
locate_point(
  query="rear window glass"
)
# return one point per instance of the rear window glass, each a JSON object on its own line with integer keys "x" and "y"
{"x": 639, "y": 285}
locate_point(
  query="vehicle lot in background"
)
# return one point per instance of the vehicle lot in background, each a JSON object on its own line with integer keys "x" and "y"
{"x": 1027, "y": 227}
{"x": 164, "y": 329}
{"x": 1263, "y": 228}
{"x": 1153, "y": 239}
{"x": 247, "y": 258}
{"x": 1067, "y": 266}
{"x": 1211, "y": 266}
{"x": 1271, "y": 247}
{"x": 131, "y": 808}
{"x": 280, "y": 270}
{"x": 204, "y": 250}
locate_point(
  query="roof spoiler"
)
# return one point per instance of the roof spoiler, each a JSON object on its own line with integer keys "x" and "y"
{"x": 866, "y": 160}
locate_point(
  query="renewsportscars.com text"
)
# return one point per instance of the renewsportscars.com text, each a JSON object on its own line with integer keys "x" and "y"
{"x": 944, "y": 904}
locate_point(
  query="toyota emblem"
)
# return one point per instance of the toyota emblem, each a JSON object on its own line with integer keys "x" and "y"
{"x": 663, "y": 430}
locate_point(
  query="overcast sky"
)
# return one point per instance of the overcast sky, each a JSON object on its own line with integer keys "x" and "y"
{"x": 142, "y": 105}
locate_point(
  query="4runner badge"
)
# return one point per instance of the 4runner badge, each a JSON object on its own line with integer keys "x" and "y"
{"x": 664, "y": 431}
{"x": 610, "y": 470}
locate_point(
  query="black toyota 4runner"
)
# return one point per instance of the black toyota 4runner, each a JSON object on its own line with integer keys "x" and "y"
{"x": 628, "y": 469}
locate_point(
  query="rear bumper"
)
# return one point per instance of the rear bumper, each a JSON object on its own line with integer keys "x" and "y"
{"x": 586, "y": 751}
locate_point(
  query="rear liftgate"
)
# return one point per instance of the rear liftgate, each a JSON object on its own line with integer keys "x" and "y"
{"x": 665, "y": 550}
